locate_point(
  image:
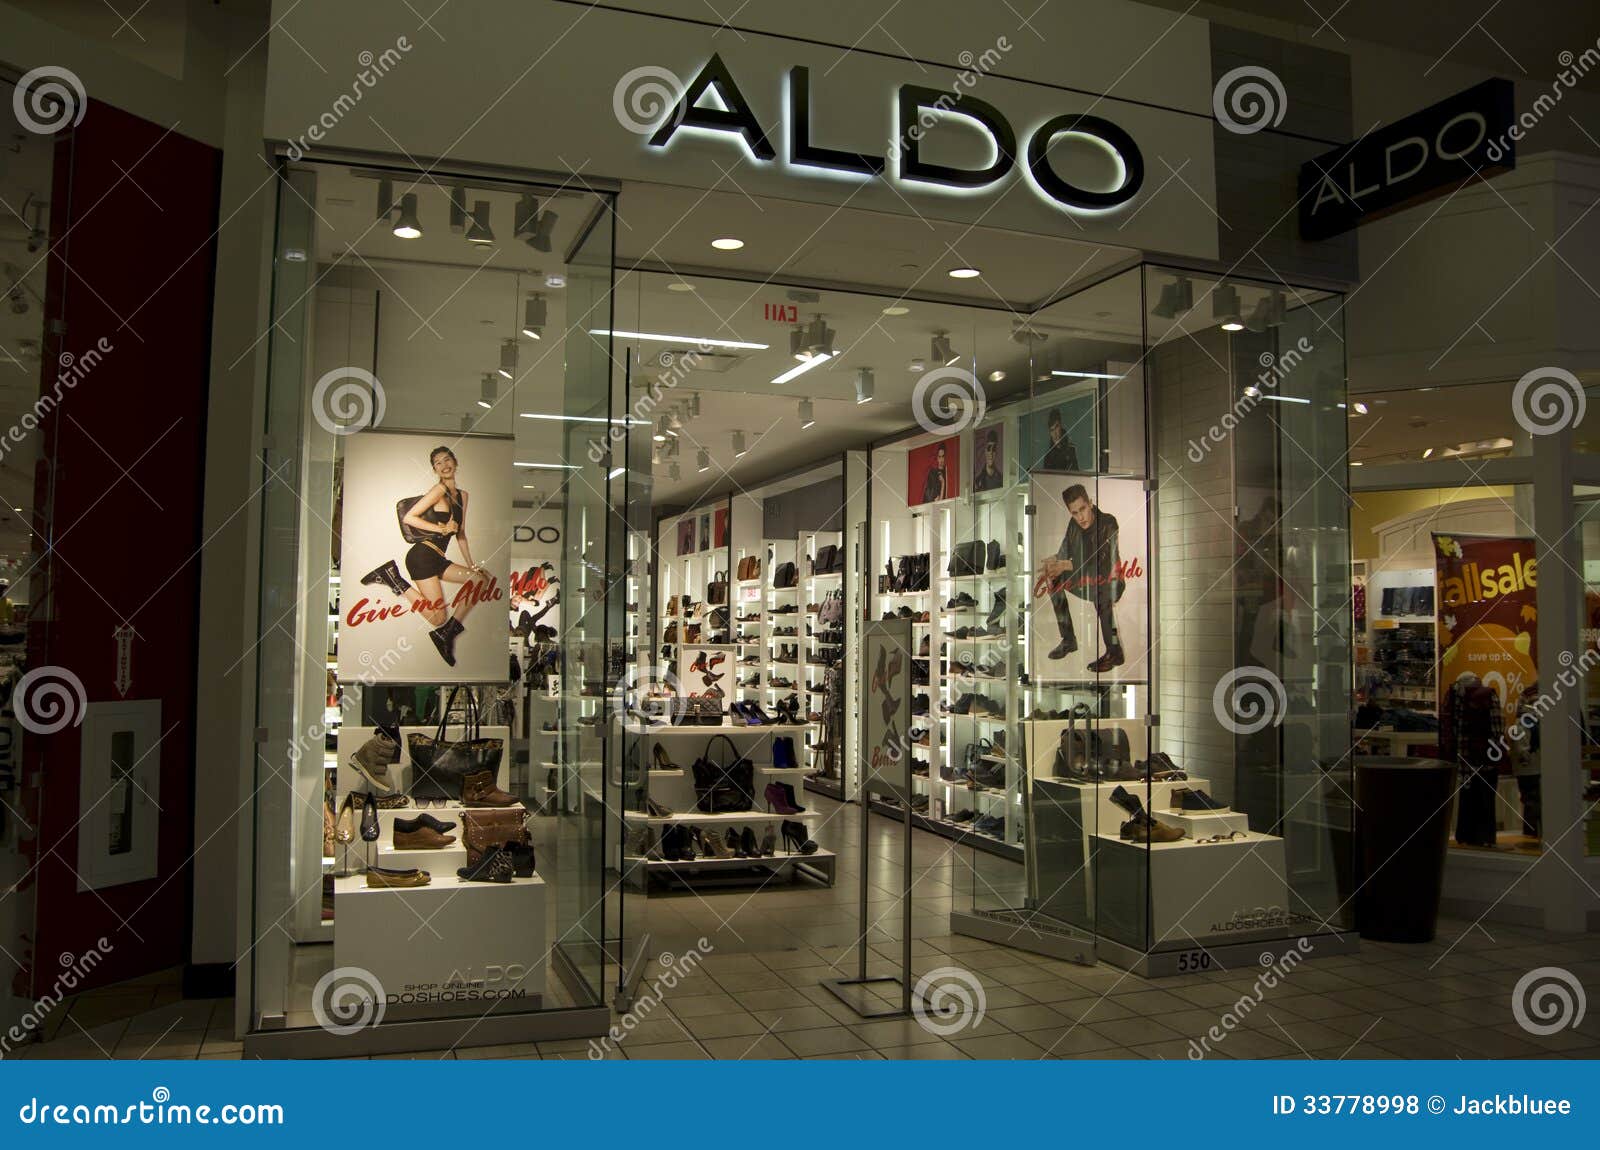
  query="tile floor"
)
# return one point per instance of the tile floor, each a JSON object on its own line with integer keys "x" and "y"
{"x": 757, "y": 992}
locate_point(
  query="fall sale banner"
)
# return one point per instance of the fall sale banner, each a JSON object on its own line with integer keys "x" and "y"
{"x": 1487, "y": 621}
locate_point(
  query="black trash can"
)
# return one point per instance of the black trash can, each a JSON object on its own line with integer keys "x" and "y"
{"x": 1404, "y": 809}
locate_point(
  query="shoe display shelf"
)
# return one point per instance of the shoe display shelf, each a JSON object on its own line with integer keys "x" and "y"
{"x": 673, "y": 788}
{"x": 451, "y": 947}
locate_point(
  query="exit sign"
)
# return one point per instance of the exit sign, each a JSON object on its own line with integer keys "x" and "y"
{"x": 780, "y": 312}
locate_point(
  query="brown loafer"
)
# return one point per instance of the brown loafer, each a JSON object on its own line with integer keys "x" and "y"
{"x": 415, "y": 835}
{"x": 384, "y": 877}
{"x": 1143, "y": 829}
{"x": 480, "y": 790}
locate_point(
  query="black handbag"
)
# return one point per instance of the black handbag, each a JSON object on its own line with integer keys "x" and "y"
{"x": 967, "y": 558}
{"x": 439, "y": 763}
{"x": 827, "y": 556}
{"x": 719, "y": 786}
{"x": 407, "y": 532}
{"x": 786, "y": 576}
{"x": 717, "y": 589}
{"x": 697, "y": 711}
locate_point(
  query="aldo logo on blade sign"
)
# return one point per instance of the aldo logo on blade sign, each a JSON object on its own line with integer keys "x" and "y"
{"x": 915, "y": 111}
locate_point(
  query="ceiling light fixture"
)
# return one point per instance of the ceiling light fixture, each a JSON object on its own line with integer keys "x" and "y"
{"x": 1427, "y": 452}
{"x": 1177, "y": 298}
{"x": 727, "y": 244}
{"x": 546, "y": 466}
{"x": 797, "y": 343}
{"x": 542, "y": 232}
{"x": 1085, "y": 375}
{"x": 940, "y": 350}
{"x": 738, "y": 444}
{"x": 553, "y": 280}
{"x": 508, "y": 358}
{"x": 865, "y": 385}
{"x": 466, "y": 423}
{"x": 1359, "y": 408}
{"x": 808, "y": 416}
{"x": 525, "y": 219}
{"x": 533, "y": 317}
{"x": 804, "y": 367}
{"x": 656, "y": 337}
{"x": 1286, "y": 398}
{"x": 385, "y": 200}
{"x": 1225, "y": 308}
{"x": 997, "y": 376}
{"x": 480, "y": 232}
{"x": 584, "y": 419}
{"x": 963, "y": 273}
{"x": 680, "y": 286}
{"x": 702, "y": 462}
{"x": 458, "y": 209}
{"x": 917, "y": 365}
{"x": 819, "y": 337}
{"x": 615, "y": 471}
{"x": 896, "y": 309}
{"x": 1267, "y": 313}
{"x": 407, "y": 228}
{"x": 490, "y": 390}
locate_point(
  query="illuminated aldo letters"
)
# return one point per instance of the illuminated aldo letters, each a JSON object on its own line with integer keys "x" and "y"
{"x": 916, "y": 111}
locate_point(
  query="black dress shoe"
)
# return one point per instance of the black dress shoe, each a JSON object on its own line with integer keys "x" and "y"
{"x": 1062, "y": 649}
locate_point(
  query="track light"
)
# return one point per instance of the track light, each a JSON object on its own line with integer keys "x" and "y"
{"x": 466, "y": 423}
{"x": 807, "y": 415}
{"x": 525, "y": 220}
{"x": 458, "y": 209}
{"x": 490, "y": 390}
{"x": 940, "y": 350}
{"x": 1268, "y": 312}
{"x": 508, "y": 358}
{"x": 385, "y": 199}
{"x": 819, "y": 338}
{"x": 480, "y": 232}
{"x": 1225, "y": 307}
{"x": 703, "y": 460}
{"x": 864, "y": 385}
{"x": 407, "y": 227}
{"x": 660, "y": 435}
{"x": 543, "y": 230}
{"x": 692, "y": 405}
{"x": 797, "y": 343}
{"x": 738, "y": 444}
{"x": 1177, "y": 298}
{"x": 533, "y": 317}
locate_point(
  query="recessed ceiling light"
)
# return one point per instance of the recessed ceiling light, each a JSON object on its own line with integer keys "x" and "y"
{"x": 680, "y": 286}
{"x": 1427, "y": 452}
{"x": 1355, "y": 463}
{"x": 964, "y": 273}
{"x": 997, "y": 376}
{"x": 1233, "y": 325}
{"x": 727, "y": 244}
{"x": 555, "y": 281}
{"x": 615, "y": 471}
{"x": 896, "y": 309}
{"x": 1359, "y": 408}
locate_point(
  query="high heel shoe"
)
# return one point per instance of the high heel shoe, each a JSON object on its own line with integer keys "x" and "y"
{"x": 788, "y": 793}
{"x": 795, "y": 839}
{"x": 699, "y": 664}
{"x": 369, "y": 820}
{"x": 769, "y": 843}
{"x": 660, "y": 761}
{"x": 780, "y": 802}
{"x": 747, "y": 844}
{"x": 758, "y": 717}
{"x": 735, "y": 843}
{"x": 345, "y": 829}
{"x": 783, "y": 754}
{"x": 716, "y": 846}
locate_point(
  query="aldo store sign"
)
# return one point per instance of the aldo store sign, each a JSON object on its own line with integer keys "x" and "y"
{"x": 1429, "y": 153}
{"x": 713, "y": 104}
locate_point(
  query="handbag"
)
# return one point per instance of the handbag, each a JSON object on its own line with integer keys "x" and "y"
{"x": 717, "y": 589}
{"x": 827, "y": 556}
{"x": 831, "y": 613}
{"x": 438, "y": 763}
{"x": 407, "y": 532}
{"x": 720, "y": 787}
{"x": 697, "y": 711}
{"x": 481, "y": 830}
{"x": 967, "y": 558}
{"x": 786, "y": 576}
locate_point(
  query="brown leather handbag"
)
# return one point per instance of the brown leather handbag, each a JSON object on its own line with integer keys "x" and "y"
{"x": 481, "y": 830}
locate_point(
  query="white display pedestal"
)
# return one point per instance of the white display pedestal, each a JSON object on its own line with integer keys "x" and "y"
{"x": 451, "y": 947}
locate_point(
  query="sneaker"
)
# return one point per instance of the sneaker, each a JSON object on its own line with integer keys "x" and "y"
{"x": 1186, "y": 799}
{"x": 373, "y": 759}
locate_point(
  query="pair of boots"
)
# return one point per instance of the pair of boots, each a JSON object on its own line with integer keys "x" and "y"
{"x": 444, "y": 635}
{"x": 782, "y": 800}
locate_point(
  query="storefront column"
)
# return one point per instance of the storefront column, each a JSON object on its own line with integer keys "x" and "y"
{"x": 1557, "y": 880}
